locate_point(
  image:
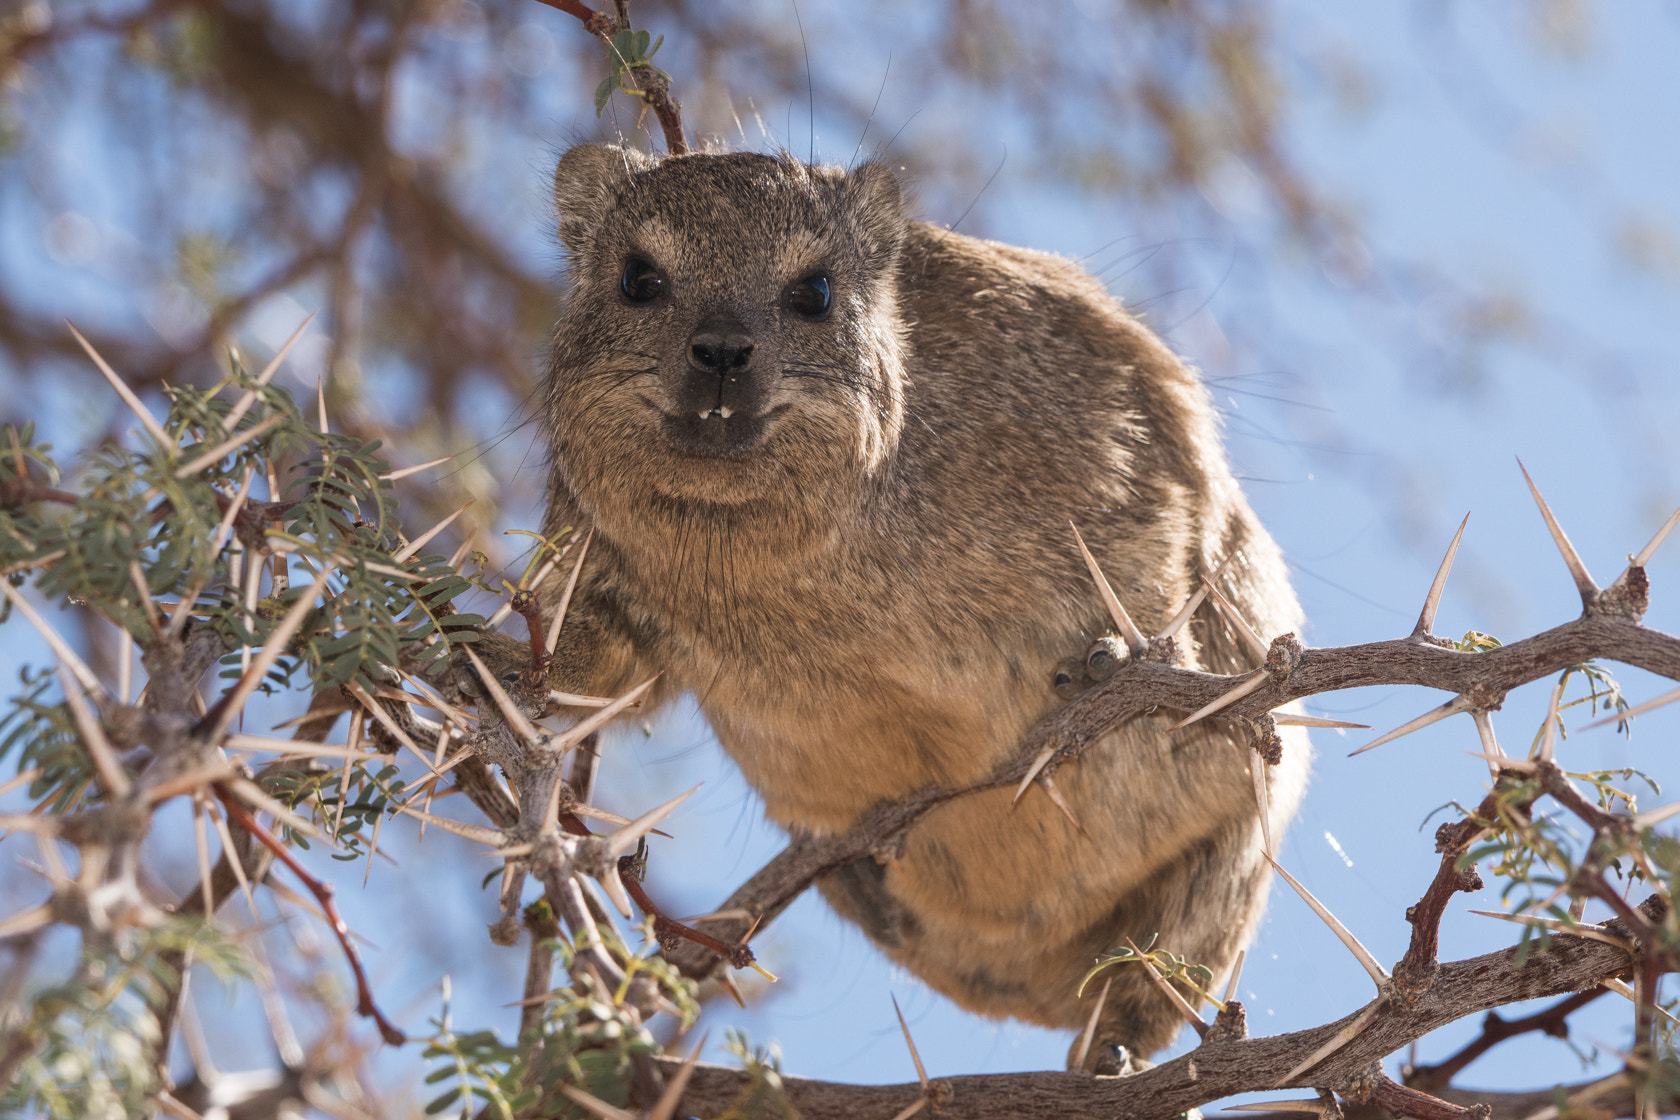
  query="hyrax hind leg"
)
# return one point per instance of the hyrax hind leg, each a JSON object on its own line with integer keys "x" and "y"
{"x": 1203, "y": 907}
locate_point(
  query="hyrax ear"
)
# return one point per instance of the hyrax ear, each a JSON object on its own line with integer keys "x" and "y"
{"x": 586, "y": 182}
{"x": 873, "y": 195}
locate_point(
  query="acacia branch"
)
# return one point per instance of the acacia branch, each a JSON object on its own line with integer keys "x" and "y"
{"x": 1219, "y": 1067}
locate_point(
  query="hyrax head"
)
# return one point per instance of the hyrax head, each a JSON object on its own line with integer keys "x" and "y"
{"x": 730, "y": 331}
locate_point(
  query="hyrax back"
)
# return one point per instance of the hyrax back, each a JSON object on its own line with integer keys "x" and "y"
{"x": 829, "y": 456}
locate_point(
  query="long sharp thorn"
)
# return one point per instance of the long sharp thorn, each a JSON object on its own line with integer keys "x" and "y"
{"x": 1252, "y": 684}
{"x": 28, "y": 921}
{"x": 1625, "y": 990}
{"x": 586, "y": 727}
{"x": 1504, "y": 761}
{"x": 1255, "y": 643}
{"x": 1236, "y": 975}
{"x": 225, "y": 529}
{"x": 1637, "y": 710}
{"x": 911, "y": 1109}
{"x": 620, "y": 842}
{"x": 253, "y": 795}
{"x": 1583, "y": 580}
{"x": 1089, "y": 1034}
{"x": 404, "y": 472}
{"x": 265, "y": 659}
{"x": 1172, "y": 993}
{"x": 1055, "y": 797}
{"x": 672, "y": 1096}
{"x": 1571, "y": 929}
{"x": 614, "y": 886}
{"x": 1426, "y": 620}
{"x": 1655, "y": 816}
{"x": 921, "y": 1073}
{"x": 1344, "y": 1036}
{"x": 734, "y": 989}
{"x": 99, "y": 748}
{"x": 321, "y": 405}
{"x": 202, "y": 832}
{"x": 249, "y": 397}
{"x": 1490, "y": 745}
{"x": 1291, "y": 719}
{"x": 1434, "y": 715}
{"x": 478, "y": 832}
{"x": 573, "y": 700}
{"x": 595, "y": 814}
{"x": 504, "y": 703}
{"x": 1190, "y": 604}
{"x": 1038, "y": 764}
{"x": 147, "y": 420}
{"x": 1378, "y": 974}
{"x": 424, "y": 539}
{"x": 228, "y": 446}
{"x": 60, "y": 647}
{"x": 1257, "y": 770}
{"x": 1315, "y": 1105}
{"x": 566, "y": 596}
{"x": 1133, "y": 637}
{"x": 1650, "y": 549}
{"x": 231, "y": 854}
{"x": 1548, "y": 737}
{"x": 595, "y": 1104}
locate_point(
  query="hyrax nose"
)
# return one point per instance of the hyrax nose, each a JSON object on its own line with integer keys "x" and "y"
{"x": 720, "y": 347}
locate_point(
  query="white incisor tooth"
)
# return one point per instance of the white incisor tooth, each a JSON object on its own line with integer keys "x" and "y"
{"x": 705, "y": 412}
{"x": 725, "y": 411}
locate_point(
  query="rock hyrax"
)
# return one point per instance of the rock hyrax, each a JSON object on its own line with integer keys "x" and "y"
{"x": 829, "y": 456}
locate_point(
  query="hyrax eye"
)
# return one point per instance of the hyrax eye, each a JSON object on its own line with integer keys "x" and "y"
{"x": 811, "y": 296}
{"x": 641, "y": 282}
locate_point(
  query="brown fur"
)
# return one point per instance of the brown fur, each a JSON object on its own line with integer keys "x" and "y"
{"x": 869, "y": 591}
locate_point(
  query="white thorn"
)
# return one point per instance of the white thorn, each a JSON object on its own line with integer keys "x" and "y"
{"x": 1434, "y": 715}
{"x": 266, "y": 657}
{"x": 1655, "y": 816}
{"x": 921, "y": 1073}
{"x": 504, "y": 703}
{"x": 1583, "y": 581}
{"x": 147, "y": 420}
{"x": 595, "y": 1104}
{"x": 672, "y": 1096}
{"x": 99, "y": 748}
{"x": 1378, "y": 974}
{"x": 566, "y": 596}
{"x": 1255, "y": 643}
{"x": 404, "y": 472}
{"x": 1090, "y": 1032}
{"x": 230, "y": 445}
{"x": 1257, "y": 769}
{"x": 1190, "y": 604}
{"x": 1490, "y": 746}
{"x": 1571, "y": 929}
{"x": 60, "y": 647}
{"x": 421, "y": 541}
{"x": 1342, "y": 1037}
{"x": 573, "y": 700}
{"x": 1291, "y": 719}
{"x": 1172, "y": 993}
{"x": 1625, "y": 990}
{"x": 1426, "y": 620}
{"x": 1639, "y": 710}
{"x": 249, "y": 397}
{"x": 1129, "y": 632}
{"x": 1548, "y": 737}
{"x": 1032, "y": 772}
{"x": 614, "y": 886}
{"x": 583, "y": 729}
{"x": 1252, "y": 684}
{"x": 478, "y": 832}
{"x": 620, "y": 842}
{"x": 1315, "y": 1105}
{"x": 1650, "y": 549}
{"x": 1236, "y": 975}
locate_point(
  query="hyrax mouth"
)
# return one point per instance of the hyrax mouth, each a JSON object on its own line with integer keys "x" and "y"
{"x": 720, "y": 432}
